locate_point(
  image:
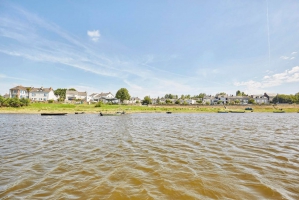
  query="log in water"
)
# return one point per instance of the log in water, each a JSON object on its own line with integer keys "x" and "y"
{"x": 150, "y": 156}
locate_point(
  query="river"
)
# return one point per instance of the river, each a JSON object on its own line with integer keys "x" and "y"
{"x": 150, "y": 156}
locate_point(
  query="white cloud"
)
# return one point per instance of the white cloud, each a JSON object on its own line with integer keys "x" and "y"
{"x": 292, "y": 58}
{"x": 288, "y": 76}
{"x": 294, "y": 53}
{"x": 284, "y": 57}
{"x": 94, "y": 35}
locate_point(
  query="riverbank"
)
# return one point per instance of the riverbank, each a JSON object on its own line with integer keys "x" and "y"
{"x": 72, "y": 108}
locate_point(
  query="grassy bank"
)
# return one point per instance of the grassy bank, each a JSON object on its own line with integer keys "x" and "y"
{"x": 72, "y": 108}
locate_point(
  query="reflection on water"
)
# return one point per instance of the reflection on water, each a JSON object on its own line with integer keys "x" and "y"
{"x": 150, "y": 156}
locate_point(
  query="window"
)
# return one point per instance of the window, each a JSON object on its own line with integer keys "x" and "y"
{"x": 45, "y": 94}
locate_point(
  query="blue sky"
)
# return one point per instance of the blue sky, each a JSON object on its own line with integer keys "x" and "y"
{"x": 151, "y": 47}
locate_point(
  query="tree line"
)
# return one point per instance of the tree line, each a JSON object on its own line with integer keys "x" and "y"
{"x": 13, "y": 102}
{"x": 284, "y": 98}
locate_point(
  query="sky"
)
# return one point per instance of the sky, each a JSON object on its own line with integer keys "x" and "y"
{"x": 151, "y": 47}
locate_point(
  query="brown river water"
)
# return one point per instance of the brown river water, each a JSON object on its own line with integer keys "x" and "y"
{"x": 150, "y": 156}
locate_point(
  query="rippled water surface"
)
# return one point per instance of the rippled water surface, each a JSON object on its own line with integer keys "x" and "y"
{"x": 150, "y": 156}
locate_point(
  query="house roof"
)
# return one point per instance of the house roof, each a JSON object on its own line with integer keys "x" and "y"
{"x": 41, "y": 89}
{"x": 103, "y": 94}
{"x": 6, "y": 96}
{"x": 19, "y": 87}
{"x": 71, "y": 92}
{"x": 135, "y": 98}
{"x": 82, "y": 93}
{"x": 238, "y": 97}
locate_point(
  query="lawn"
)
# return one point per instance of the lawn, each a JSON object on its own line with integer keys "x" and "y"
{"x": 72, "y": 108}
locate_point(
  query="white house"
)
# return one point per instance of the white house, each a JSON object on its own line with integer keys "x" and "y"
{"x": 18, "y": 91}
{"x": 260, "y": 99}
{"x": 208, "y": 99}
{"x": 190, "y": 101}
{"x": 104, "y": 97}
{"x": 42, "y": 94}
{"x": 132, "y": 100}
{"x": 241, "y": 99}
{"x": 73, "y": 95}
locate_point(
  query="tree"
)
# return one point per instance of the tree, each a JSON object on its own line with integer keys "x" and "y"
{"x": 237, "y": 101}
{"x": 238, "y": 93}
{"x": 61, "y": 93}
{"x": 251, "y": 101}
{"x": 72, "y": 89}
{"x": 182, "y": 96}
{"x": 28, "y": 90}
{"x": 147, "y": 100}
{"x": 201, "y": 95}
{"x": 1, "y": 101}
{"x": 222, "y": 93}
{"x": 177, "y": 102}
{"x": 158, "y": 100}
{"x": 123, "y": 94}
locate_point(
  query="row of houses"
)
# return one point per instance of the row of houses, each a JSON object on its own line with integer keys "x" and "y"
{"x": 219, "y": 99}
{"x": 34, "y": 94}
{"x": 45, "y": 94}
{"x": 227, "y": 99}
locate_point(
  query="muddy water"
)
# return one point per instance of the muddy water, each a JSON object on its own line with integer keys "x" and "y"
{"x": 150, "y": 156}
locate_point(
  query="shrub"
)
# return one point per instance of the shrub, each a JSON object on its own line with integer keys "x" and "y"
{"x": 50, "y": 101}
{"x": 168, "y": 101}
{"x": 99, "y": 104}
{"x": 14, "y": 102}
{"x": 24, "y": 102}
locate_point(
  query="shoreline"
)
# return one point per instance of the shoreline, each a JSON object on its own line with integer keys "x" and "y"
{"x": 37, "y": 108}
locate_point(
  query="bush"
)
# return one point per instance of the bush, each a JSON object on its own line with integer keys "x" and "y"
{"x": 24, "y": 102}
{"x": 50, "y": 101}
{"x": 168, "y": 101}
{"x": 14, "y": 102}
{"x": 99, "y": 104}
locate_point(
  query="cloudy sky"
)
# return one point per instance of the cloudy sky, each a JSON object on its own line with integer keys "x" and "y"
{"x": 151, "y": 47}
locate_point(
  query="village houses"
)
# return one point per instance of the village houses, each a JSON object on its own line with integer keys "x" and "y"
{"x": 45, "y": 94}
{"x": 35, "y": 94}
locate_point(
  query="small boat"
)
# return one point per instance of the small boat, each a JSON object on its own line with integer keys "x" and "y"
{"x": 47, "y": 114}
{"x": 248, "y": 108}
{"x": 112, "y": 114}
{"x": 237, "y": 111}
{"x": 222, "y": 111}
{"x": 168, "y": 112}
{"x": 279, "y": 111}
{"x": 79, "y": 112}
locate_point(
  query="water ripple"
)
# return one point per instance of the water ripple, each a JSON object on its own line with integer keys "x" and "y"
{"x": 150, "y": 156}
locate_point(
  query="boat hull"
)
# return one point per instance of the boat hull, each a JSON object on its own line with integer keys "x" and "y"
{"x": 47, "y": 114}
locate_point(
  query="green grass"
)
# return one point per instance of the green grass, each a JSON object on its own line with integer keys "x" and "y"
{"x": 72, "y": 108}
